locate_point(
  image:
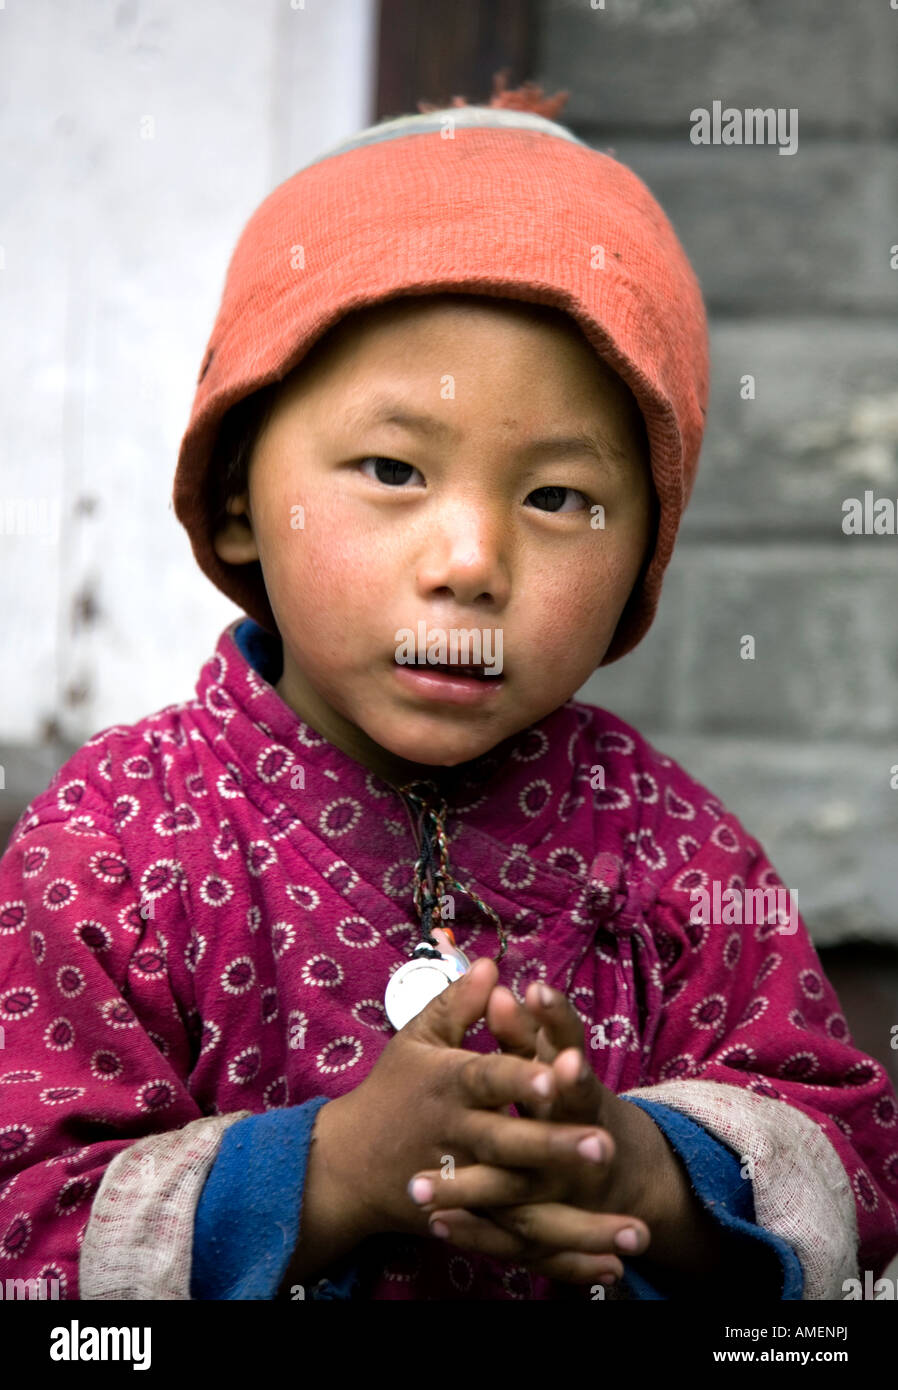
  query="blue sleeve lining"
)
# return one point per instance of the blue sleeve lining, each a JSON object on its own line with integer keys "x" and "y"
{"x": 248, "y": 1217}
{"x": 716, "y": 1175}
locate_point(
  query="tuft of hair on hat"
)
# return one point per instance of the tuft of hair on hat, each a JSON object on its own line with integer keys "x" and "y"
{"x": 529, "y": 97}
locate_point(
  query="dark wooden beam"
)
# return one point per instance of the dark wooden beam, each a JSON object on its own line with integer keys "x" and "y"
{"x": 433, "y": 50}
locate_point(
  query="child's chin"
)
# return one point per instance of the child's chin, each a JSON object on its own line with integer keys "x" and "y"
{"x": 438, "y": 752}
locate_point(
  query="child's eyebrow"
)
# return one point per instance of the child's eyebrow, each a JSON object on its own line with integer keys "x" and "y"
{"x": 386, "y": 410}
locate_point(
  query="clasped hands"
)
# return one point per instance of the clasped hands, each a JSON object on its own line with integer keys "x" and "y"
{"x": 564, "y": 1220}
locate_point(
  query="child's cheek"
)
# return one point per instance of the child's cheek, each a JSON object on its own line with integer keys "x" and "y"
{"x": 568, "y": 618}
{"x": 304, "y": 533}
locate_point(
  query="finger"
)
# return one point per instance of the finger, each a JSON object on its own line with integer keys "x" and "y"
{"x": 571, "y": 1267}
{"x": 580, "y": 1093}
{"x": 558, "y": 1226}
{"x": 514, "y": 1027}
{"x": 448, "y": 1016}
{"x": 557, "y": 1017}
{"x": 470, "y": 1230}
{"x": 476, "y": 1232}
{"x": 518, "y": 1033}
{"x": 478, "y": 1185}
{"x": 491, "y": 1080}
{"x": 502, "y": 1141}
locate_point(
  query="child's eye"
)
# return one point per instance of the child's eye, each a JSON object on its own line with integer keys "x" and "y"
{"x": 387, "y": 470}
{"x": 554, "y": 496}
{"x": 392, "y": 472}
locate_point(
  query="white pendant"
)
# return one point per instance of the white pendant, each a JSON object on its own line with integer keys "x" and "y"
{"x": 411, "y": 987}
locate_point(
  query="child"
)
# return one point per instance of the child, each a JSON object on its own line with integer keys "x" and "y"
{"x": 202, "y": 913}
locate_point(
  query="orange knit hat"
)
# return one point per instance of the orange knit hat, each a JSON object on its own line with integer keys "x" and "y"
{"x": 493, "y": 200}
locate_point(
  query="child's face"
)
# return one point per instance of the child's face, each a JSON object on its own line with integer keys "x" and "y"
{"x": 464, "y": 538}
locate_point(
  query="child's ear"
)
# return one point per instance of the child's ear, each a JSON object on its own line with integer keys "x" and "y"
{"x": 234, "y": 541}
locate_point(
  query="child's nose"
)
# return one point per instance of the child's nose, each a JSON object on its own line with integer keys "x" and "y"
{"x": 469, "y": 559}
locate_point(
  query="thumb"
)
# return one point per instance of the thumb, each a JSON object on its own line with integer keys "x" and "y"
{"x": 449, "y": 1015}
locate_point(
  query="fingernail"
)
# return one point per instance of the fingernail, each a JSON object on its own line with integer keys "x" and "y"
{"x": 627, "y": 1239}
{"x": 438, "y": 1229}
{"x": 607, "y": 1278}
{"x": 541, "y": 1084}
{"x": 421, "y": 1191}
{"x": 545, "y": 995}
{"x": 592, "y": 1148}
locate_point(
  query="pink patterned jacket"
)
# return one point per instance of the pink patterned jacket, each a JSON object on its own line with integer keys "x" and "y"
{"x": 199, "y": 915}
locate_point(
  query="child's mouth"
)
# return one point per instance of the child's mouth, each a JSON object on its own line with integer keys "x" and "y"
{"x": 471, "y": 671}
{"x": 455, "y": 684}
{"x": 474, "y": 672}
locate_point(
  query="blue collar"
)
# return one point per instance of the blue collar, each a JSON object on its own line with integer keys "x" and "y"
{"x": 263, "y": 650}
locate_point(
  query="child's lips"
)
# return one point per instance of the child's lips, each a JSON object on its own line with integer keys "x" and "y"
{"x": 448, "y": 684}
{"x": 472, "y": 671}
{"x": 447, "y": 669}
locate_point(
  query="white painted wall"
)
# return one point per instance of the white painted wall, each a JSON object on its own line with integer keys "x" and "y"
{"x": 136, "y": 139}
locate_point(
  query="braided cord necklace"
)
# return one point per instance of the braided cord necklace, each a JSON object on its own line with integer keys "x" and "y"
{"x": 433, "y": 965}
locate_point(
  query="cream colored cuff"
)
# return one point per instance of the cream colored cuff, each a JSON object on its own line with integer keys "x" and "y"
{"x": 139, "y": 1238}
{"x": 801, "y": 1190}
